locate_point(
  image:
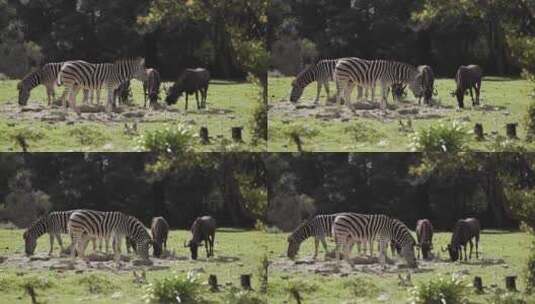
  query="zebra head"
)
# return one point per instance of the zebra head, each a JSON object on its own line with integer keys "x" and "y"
{"x": 30, "y": 243}
{"x": 293, "y": 247}
{"x": 24, "y": 93}
{"x": 417, "y": 85}
{"x": 296, "y": 92}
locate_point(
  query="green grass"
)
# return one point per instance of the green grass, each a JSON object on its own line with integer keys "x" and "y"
{"x": 230, "y": 104}
{"x": 513, "y": 94}
{"x": 100, "y": 286}
{"x": 249, "y": 247}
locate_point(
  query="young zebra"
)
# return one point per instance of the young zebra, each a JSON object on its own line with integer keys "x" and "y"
{"x": 350, "y": 227}
{"x": 55, "y": 224}
{"x": 468, "y": 78}
{"x": 368, "y": 73}
{"x": 84, "y": 224}
{"x": 76, "y": 75}
{"x": 151, "y": 86}
{"x": 318, "y": 227}
{"x": 159, "y": 229}
{"x": 322, "y": 72}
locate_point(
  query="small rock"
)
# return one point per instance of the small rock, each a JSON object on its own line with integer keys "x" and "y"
{"x": 116, "y": 295}
{"x": 383, "y": 297}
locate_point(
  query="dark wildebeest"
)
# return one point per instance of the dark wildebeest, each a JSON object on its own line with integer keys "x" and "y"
{"x": 464, "y": 231}
{"x": 151, "y": 86}
{"x": 468, "y": 78}
{"x": 191, "y": 81}
{"x": 159, "y": 229}
{"x": 424, "y": 236}
{"x": 203, "y": 229}
{"x": 428, "y": 83}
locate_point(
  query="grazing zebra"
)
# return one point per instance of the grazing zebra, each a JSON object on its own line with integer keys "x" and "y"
{"x": 368, "y": 73}
{"x": 468, "y": 78}
{"x": 159, "y": 229}
{"x": 190, "y": 81}
{"x": 76, "y": 75}
{"x": 318, "y": 227}
{"x": 322, "y": 72}
{"x": 46, "y": 75}
{"x": 55, "y": 224}
{"x": 151, "y": 86}
{"x": 202, "y": 229}
{"x": 424, "y": 236}
{"x": 427, "y": 78}
{"x": 463, "y": 232}
{"x": 84, "y": 224}
{"x": 350, "y": 227}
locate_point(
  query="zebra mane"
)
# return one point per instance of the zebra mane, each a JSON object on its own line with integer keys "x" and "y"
{"x": 402, "y": 229}
{"x": 27, "y": 76}
{"x": 307, "y": 69}
{"x": 35, "y": 225}
{"x": 130, "y": 60}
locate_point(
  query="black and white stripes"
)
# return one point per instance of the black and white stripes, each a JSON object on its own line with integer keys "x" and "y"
{"x": 322, "y": 72}
{"x": 76, "y": 75}
{"x": 318, "y": 227}
{"x": 54, "y": 223}
{"x": 46, "y": 75}
{"x": 84, "y": 224}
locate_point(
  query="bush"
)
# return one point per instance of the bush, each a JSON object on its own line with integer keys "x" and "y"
{"x": 174, "y": 139}
{"x": 88, "y": 135}
{"x": 23, "y": 135}
{"x": 297, "y": 132}
{"x": 97, "y": 284}
{"x": 529, "y": 274}
{"x": 361, "y": 288}
{"x": 236, "y": 296}
{"x": 441, "y": 138}
{"x": 36, "y": 283}
{"x": 360, "y": 133}
{"x": 185, "y": 290}
{"x": 438, "y": 291}
{"x": 502, "y": 297}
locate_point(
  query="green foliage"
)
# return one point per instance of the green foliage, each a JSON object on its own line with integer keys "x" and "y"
{"x": 173, "y": 139}
{"x": 522, "y": 204}
{"x": 297, "y": 132}
{"x": 502, "y": 297}
{"x": 36, "y": 283}
{"x": 178, "y": 288}
{"x": 97, "y": 284}
{"x": 263, "y": 273}
{"x": 523, "y": 48}
{"x": 451, "y": 290}
{"x": 88, "y": 135}
{"x": 259, "y": 120}
{"x": 256, "y": 199}
{"x": 26, "y": 134}
{"x": 236, "y": 296}
{"x": 361, "y": 288}
{"x": 529, "y": 122}
{"x": 529, "y": 272}
{"x": 360, "y": 132}
{"x": 441, "y": 138}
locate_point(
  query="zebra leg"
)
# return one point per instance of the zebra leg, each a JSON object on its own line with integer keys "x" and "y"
{"x": 350, "y": 88}
{"x": 51, "y": 243}
{"x": 111, "y": 96}
{"x": 316, "y": 244}
{"x": 60, "y": 241}
{"x": 347, "y": 252}
{"x": 359, "y": 93}
{"x": 72, "y": 98}
{"x": 318, "y": 93}
{"x": 326, "y": 85}
{"x": 49, "y": 93}
{"x": 478, "y": 92}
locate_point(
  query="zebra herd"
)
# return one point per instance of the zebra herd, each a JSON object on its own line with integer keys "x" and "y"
{"x": 349, "y": 229}
{"x": 90, "y": 225}
{"x": 390, "y": 75}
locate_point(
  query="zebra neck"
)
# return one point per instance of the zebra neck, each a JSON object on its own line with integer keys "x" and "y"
{"x": 38, "y": 229}
{"x": 305, "y": 79}
{"x": 32, "y": 81}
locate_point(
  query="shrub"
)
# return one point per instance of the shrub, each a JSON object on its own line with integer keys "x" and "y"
{"x": 36, "y": 283}
{"x": 438, "y": 291}
{"x": 236, "y": 296}
{"x": 88, "y": 135}
{"x": 441, "y": 138}
{"x": 529, "y": 274}
{"x": 360, "y": 133}
{"x": 186, "y": 290}
{"x": 174, "y": 139}
{"x": 297, "y": 132}
{"x": 22, "y": 135}
{"x": 361, "y": 288}
{"x": 97, "y": 284}
{"x": 502, "y": 297}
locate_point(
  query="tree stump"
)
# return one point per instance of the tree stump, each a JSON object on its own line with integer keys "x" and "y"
{"x": 212, "y": 281}
{"x": 237, "y": 134}
{"x": 478, "y": 131}
{"x": 478, "y": 284}
{"x": 203, "y": 134}
{"x": 245, "y": 280}
{"x": 510, "y": 283}
{"x": 511, "y": 130}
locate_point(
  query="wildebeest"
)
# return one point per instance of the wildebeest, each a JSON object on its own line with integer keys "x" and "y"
{"x": 424, "y": 237}
{"x": 159, "y": 229}
{"x": 463, "y": 232}
{"x": 190, "y": 81}
{"x": 203, "y": 229}
{"x": 151, "y": 86}
{"x": 468, "y": 78}
{"x": 427, "y": 77}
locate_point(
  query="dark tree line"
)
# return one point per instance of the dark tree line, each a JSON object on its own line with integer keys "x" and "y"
{"x": 215, "y": 184}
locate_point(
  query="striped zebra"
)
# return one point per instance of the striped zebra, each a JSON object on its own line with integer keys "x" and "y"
{"x": 76, "y": 75}
{"x": 350, "y": 227}
{"x": 55, "y": 224}
{"x": 85, "y": 224}
{"x": 46, "y": 75}
{"x": 354, "y": 71}
{"x": 151, "y": 86}
{"x": 159, "y": 230}
{"x": 468, "y": 78}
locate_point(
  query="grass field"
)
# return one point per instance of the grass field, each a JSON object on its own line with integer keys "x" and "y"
{"x": 230, "y": 104}
{"x": 236, "y": 252}
{"x": 240, "y": 252}
{"x": 503, "y": 100}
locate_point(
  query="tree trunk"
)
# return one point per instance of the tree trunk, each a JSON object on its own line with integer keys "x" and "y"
{"x": 232, "y": 198}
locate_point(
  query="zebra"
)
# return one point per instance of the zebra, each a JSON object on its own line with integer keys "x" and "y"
{"x": 151, "y": 86}
{"x": 79, "y": 74}
{"x": 53, "y": 223}
{"x": 46, "y": 75}
{"x": 464, "y": 231}
{"x": 350, "y": 227}
{"x": 84, "y": 224}
{"x": 319, "y": 227}
{"x": 468, "y": 78}
{"x": 202, "y": 229}
{"x": 424, "y": 236}
{"x": 368, "y": 73}
{"x": 159, "y": 229}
